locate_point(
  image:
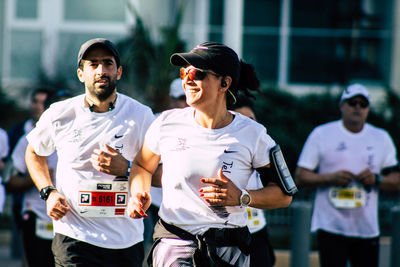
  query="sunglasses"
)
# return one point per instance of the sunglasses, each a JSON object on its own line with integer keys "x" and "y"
{"x": 195, "y": 74}
{"x": 354, "y": 102}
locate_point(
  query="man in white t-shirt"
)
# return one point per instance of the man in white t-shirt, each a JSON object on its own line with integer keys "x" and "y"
{"x": 3, "y": 153}
{"x": 348, "y": 161}
{"x": 88, "y": 206}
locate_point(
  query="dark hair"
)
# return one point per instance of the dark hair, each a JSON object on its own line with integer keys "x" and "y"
{"x": 242, "y": 101}
{"x": 56, "y": 96}
{"x": 41, "y": 90}
{"x": 248, "y": 81}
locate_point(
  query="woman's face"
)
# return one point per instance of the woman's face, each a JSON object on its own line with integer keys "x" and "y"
{"x": 201, "y": 92}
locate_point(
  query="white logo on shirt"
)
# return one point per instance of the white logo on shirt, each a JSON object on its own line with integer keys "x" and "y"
{"x": 181, "y": 145}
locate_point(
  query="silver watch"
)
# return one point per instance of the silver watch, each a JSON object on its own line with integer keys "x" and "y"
{"x": 245, "y": 198}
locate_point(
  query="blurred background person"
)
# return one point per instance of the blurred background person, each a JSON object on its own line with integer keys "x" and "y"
{"x": 36, "y": 225}
{"x": 3, "y": 154}
{"x": 37, "y": 99}
{"x": 177, "y": 94}
{"x": 261, "y": 251}
{"x": 348, "y": 161}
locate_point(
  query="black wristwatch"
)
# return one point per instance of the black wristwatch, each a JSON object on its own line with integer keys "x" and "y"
{"x": 45, "y": 192}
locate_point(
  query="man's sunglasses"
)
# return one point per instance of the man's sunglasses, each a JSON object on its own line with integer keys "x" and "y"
{"x": 354, "y": 102}
{"x": 195, "y": 74}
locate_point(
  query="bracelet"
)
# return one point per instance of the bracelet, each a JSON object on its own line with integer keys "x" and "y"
{"x": 128, "y": 172}
{"x": 378, "y": 179}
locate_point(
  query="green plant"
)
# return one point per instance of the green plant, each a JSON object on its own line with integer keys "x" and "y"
{"x": 146, "y": 62}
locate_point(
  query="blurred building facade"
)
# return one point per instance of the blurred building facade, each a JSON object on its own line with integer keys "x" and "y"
{"x": 296, "y": 45}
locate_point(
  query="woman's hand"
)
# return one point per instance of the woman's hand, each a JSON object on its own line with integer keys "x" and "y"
{"x": 138, "y": 204}
{"x": 220, "y": 191}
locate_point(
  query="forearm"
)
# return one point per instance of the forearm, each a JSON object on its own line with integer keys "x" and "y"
{"x": 307, "y": 178}
{"x": 140, "y": 179}
{"x": 38, "y": 168}
{"x": 390, "y": 182}
{"x": 269, "y": 197}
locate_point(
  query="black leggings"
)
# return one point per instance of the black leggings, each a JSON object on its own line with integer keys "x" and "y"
{"x": 37, "y": 250}
{"x": 336, "y": 250}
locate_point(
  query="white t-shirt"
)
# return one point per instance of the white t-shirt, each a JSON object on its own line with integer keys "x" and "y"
{"x": 330, "y": 148}
{"x": 3, "y": 153}
{"x": 70, "y": 128}
{"x": 190, "y": 152}
{"x": 32, "y": 200}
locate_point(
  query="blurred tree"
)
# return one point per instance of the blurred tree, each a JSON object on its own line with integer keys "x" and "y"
{"x": 146, "y": 62}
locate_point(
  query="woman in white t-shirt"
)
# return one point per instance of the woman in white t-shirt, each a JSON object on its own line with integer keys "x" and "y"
{"x": 208, "y": 155}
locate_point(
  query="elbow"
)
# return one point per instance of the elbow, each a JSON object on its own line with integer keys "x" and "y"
{"x": 287, "y": 200}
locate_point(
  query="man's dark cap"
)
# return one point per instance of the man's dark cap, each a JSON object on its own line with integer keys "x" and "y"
{"x": 211, "y": 56}
{"x": 98, "y": 42}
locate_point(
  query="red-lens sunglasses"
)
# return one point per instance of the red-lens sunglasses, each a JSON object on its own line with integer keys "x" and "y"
{"x": 195, "y": 74}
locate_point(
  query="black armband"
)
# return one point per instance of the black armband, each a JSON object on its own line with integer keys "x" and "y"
{"x": 389, "y": 170}
{"x": 278, "y": 172}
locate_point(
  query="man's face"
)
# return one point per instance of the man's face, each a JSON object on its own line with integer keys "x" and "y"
{"x": 100, "y": 72}
{"x": 37, "y": 105}
{"x": 355, "y": 109}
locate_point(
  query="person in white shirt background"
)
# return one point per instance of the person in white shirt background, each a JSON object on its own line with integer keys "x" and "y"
{"x": 3, "y": 154}
{"x": 348, "y": 161}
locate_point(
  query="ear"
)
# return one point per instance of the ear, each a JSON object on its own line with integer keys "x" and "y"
{"x": 226, "y": 82}
{"x": 119, "y": 73}
{"x": 79, "y": 72}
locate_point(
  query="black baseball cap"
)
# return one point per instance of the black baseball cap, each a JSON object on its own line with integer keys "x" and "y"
{"x": 98, "y": 42}
{"x": 211, "y": 56}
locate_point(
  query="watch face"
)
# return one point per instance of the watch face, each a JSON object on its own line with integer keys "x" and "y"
{"x": 246, "y": 199}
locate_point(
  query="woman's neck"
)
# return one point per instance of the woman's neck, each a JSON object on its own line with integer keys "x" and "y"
{"x": 213, "y": 120}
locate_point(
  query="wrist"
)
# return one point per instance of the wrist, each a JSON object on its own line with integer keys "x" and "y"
{"x": 128, "y": 171}
{"x": 46, "y": 191}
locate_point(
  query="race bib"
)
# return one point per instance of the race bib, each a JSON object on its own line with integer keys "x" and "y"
{"x": 353, "y": 196}
{"x": 102, "y": 198}
{"x": 253, "y": 217}
{"x": 44, "y": 229}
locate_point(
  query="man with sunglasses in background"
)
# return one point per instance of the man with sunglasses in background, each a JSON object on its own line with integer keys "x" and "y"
{"x": 348, "y": 161}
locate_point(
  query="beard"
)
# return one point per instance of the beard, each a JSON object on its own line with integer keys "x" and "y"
{"x": 105, "y": 91}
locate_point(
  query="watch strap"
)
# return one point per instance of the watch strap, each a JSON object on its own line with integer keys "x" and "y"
{"x": 45, "y": 192}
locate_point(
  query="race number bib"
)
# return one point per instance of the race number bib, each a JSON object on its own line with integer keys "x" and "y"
{"x": 253, "y": 217}
{"x": 44, "y": 229}
{"x": 350, "y": 197}
{"x": 102, "y": 198}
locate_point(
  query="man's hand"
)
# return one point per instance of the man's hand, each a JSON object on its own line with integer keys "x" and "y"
{"x": 221, "y": 191}
{"x": 366, "y": 177}
{"x": 138, "y": 204}
{"x": 110, "y": 161}
{"x": 57, "y": 205}
{"x": 342, "y": 178}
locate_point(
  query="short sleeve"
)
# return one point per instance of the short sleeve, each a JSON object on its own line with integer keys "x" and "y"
{"x": 152, "y": 138}
{"x": 309, "y": 156}
{"x": 18, "y": 155}
{"x": 262, "y": 148}
{"x": 41, "y": 138}
{"x": 4, "y": 148}
{"x": 390, "y": 158}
